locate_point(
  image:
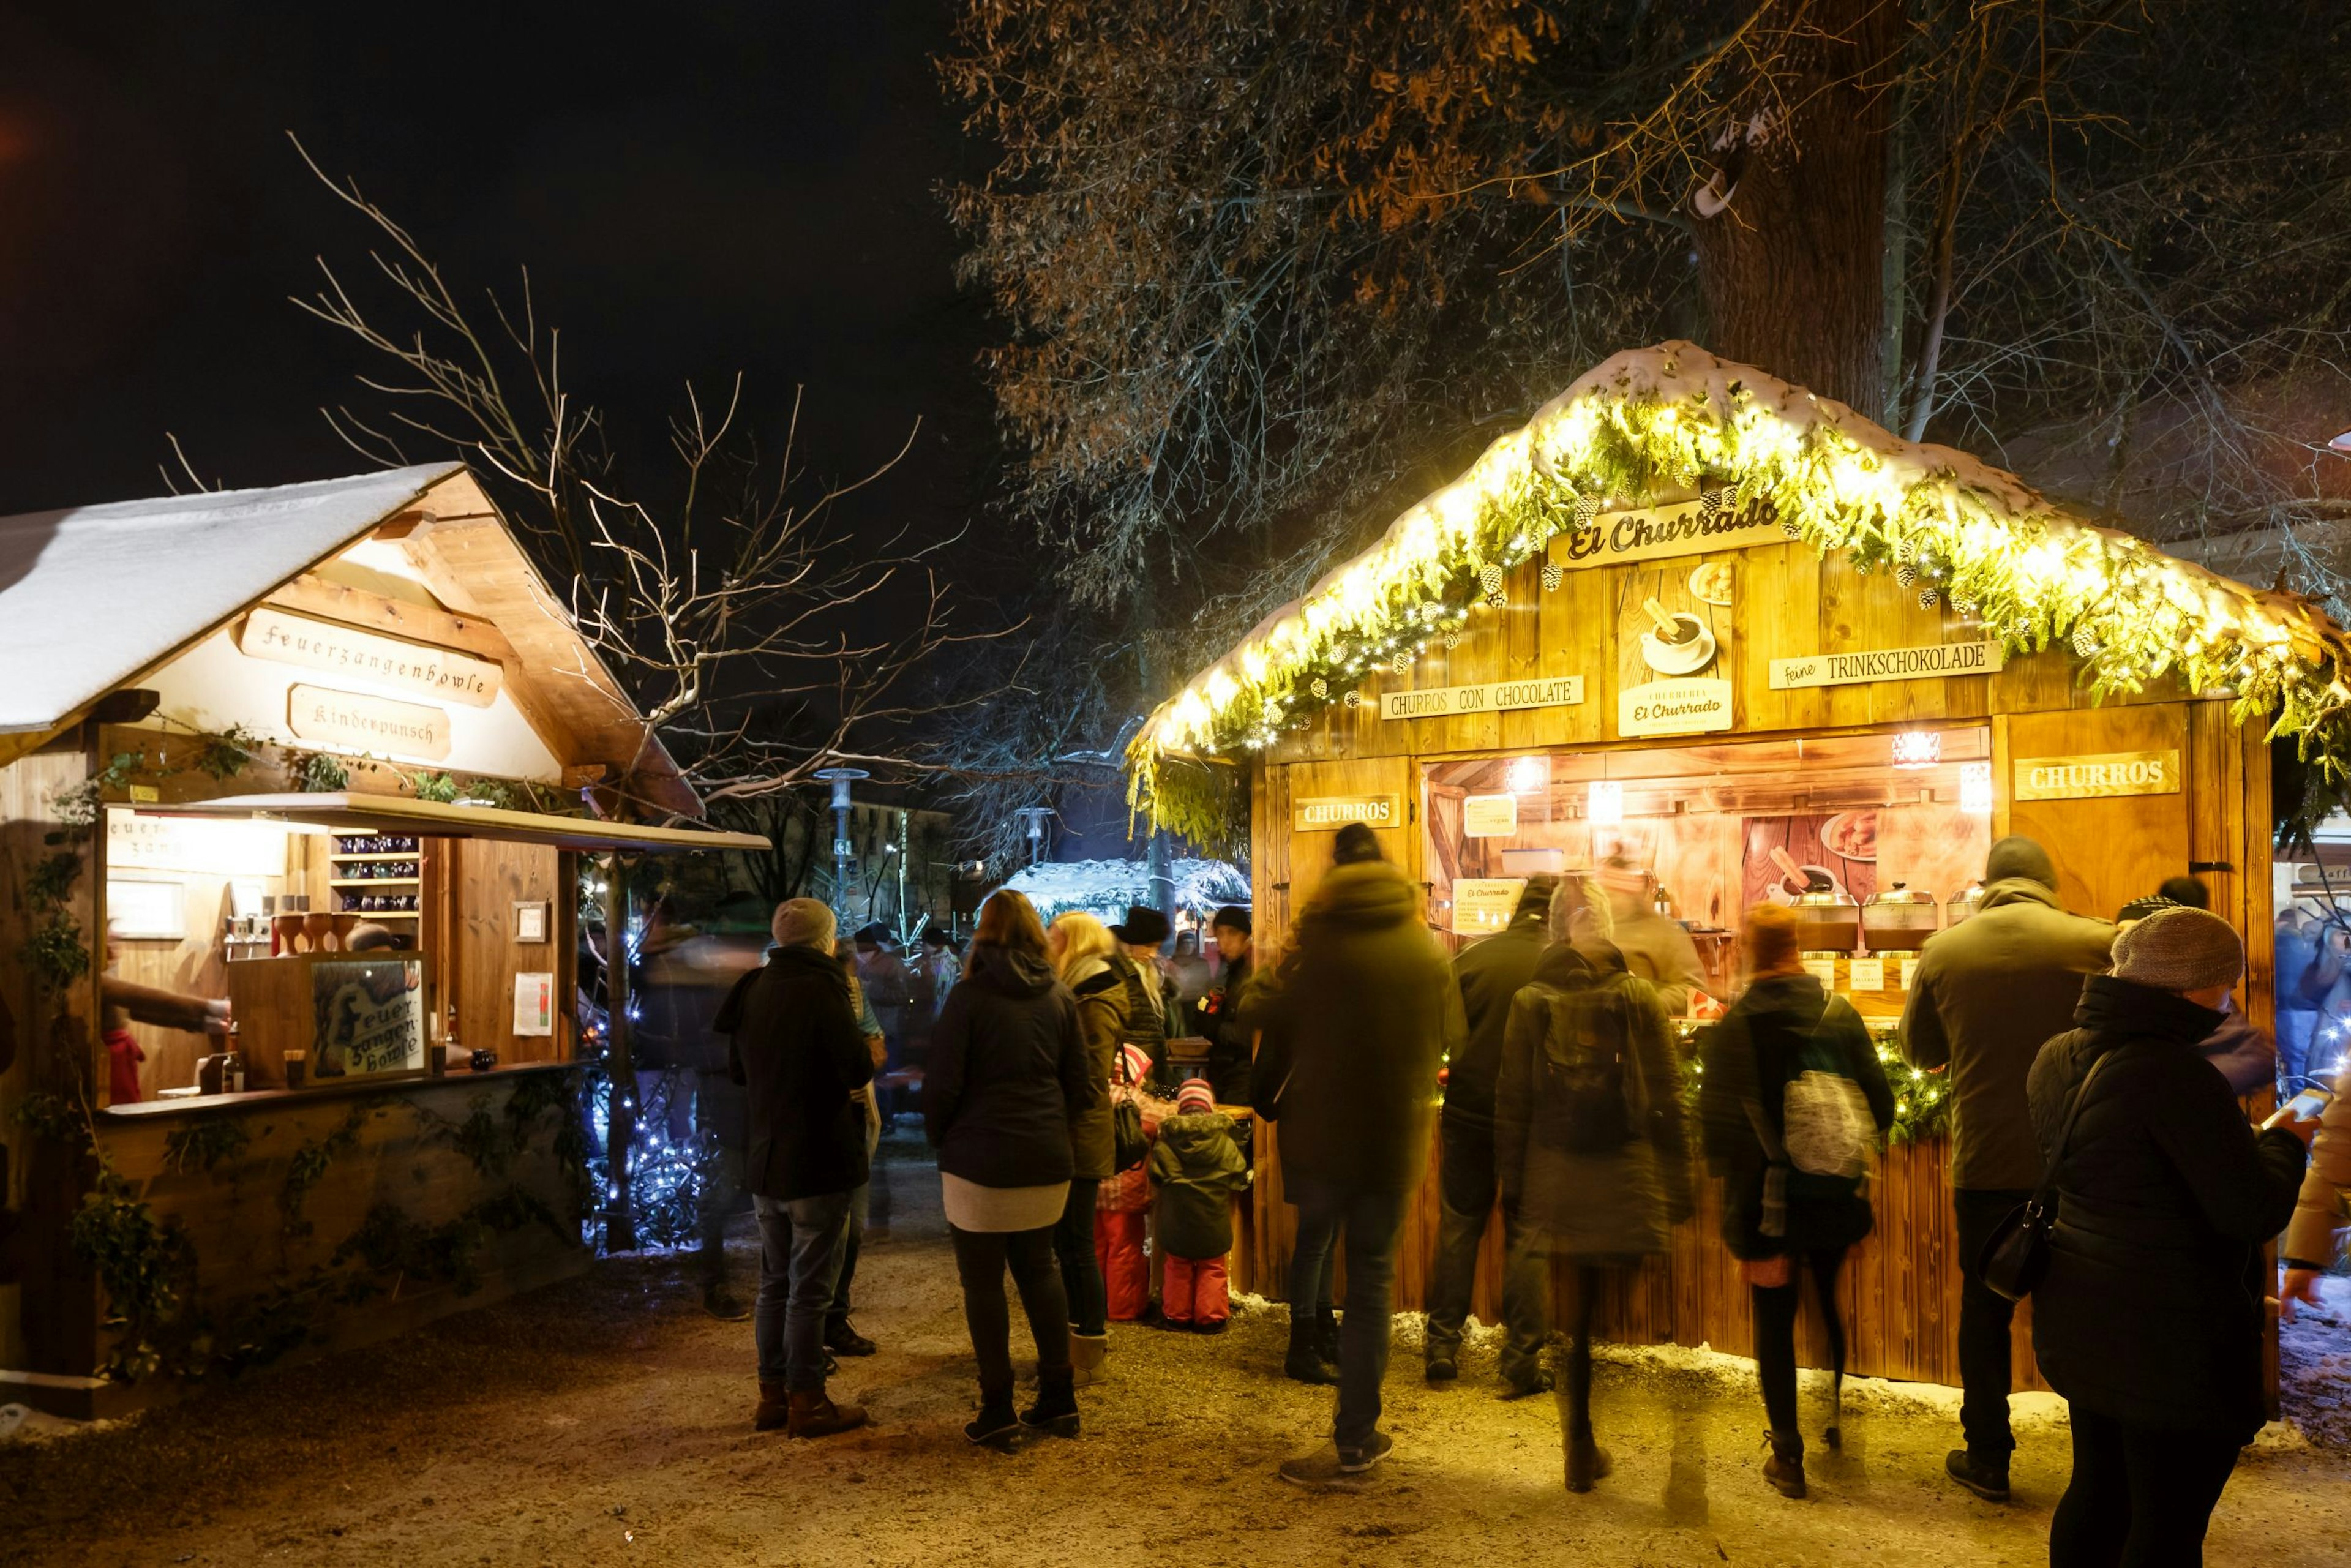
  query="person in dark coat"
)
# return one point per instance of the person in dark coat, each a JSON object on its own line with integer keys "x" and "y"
{"x": 1365, "y": 1010}
{"x": 794, "y": 1045}
{"x": 1008, "y": 1093}
{"x": 1489, "y": 974}
{"x": 1985, "y": 995}
{"x": 1223, "y": 1018}
{"x": 1198, "y": 1170}
{"x": 1137, "y": 964}
{"x": 2246, "y": 1056}
{"x": 2149, "y": 1318}
{"x": 1745, "y": 1069}
{"x": 1590, "y": 1143}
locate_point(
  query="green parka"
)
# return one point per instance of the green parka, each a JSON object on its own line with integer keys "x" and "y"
{"x": 1198, "y": 1171}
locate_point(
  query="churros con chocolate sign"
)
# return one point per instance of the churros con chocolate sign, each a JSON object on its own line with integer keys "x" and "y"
{"x": 2101, "y": 773}
{"x": 1498, "y": 696}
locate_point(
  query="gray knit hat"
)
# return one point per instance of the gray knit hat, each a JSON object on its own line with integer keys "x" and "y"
{"x": 803, "y": 923}
{"x": 2179, "y": 949}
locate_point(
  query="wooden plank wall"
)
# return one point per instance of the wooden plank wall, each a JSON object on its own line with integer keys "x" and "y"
{"x": 487, "y": 880}
{"x": 1901, "y": 1289}
{"x": 45, "y": 1040}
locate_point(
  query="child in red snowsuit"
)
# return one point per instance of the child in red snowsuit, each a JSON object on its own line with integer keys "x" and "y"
{"x": 1198, "y": 1170}
{"x": 1122, "y": 1203}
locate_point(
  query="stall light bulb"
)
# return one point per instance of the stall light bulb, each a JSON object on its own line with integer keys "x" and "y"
{"x": 1917, "y": 749}
{"x": 1603, "y": 804}
{"x": 1528, "y": 774}
{"x": 1975, "y": 788}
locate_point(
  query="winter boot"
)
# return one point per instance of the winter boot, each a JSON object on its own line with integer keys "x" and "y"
{"x": 1785, "y": 1468}
{"x": 775, "y": 1407}
{"x": 1306, "y": 1362}
{"x": 1587, "y": 1461}
{"x": 995, "y": 1424}
{"x": 841, "y": 1338}
{"x": 1990, "y": 1484}
{"x": 1327, "y": 1326}
{"x": 1055, "y": 1410}
{"x": 814, "y": 1415}
{"x": 1086, "y": 1353}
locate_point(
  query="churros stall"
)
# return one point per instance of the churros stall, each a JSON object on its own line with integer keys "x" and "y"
{"x": 295, "y": 789}
{"x": 1710, "y": 640}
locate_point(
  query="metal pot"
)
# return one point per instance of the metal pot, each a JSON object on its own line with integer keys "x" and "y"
{"x": 1900, "y": 919}
{"x": 1827, "y": 920}
{"x": 1963, "y": 904}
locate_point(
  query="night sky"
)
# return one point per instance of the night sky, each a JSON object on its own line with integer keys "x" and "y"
{"x": 695, "y": 189}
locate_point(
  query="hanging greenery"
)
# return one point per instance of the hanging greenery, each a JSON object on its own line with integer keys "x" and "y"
{"x": 1674, "y": 421}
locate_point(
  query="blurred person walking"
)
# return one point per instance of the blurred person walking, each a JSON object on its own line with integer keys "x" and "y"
{"x": 1365, "y": 1009}
{"x": 1985, "y": 996}
{"x": 1223, "y": 1010}
{"x": 1489, "y": 974}
{"x": 1652, "y": 946}
{"x": 1787, "y": 1052}
{"x": 1080, "y": 948}
{"x": 1007, "y": 1091}
{"x": 1590, "y": 1144}
{"x": 794, "y": 1044}
{"x": 2149, "y": 1318}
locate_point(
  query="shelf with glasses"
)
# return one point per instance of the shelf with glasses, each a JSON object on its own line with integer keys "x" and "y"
{"x": 374, "y": 882}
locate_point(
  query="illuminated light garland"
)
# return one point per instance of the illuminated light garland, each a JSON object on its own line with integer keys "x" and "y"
{"x": 1674, "y": 418}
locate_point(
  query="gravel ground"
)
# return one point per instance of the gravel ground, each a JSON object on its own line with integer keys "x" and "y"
{"x": 606, "y": 1420}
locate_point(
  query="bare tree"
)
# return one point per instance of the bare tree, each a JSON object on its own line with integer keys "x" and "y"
{"x": 762, "y": 633}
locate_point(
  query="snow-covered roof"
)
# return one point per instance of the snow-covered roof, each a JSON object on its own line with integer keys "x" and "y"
{"x": 90, "y": 596}
{"x": 1113, "y": 886}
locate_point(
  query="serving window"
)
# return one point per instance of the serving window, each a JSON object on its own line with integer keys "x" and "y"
{"x": 1714, "y": 829}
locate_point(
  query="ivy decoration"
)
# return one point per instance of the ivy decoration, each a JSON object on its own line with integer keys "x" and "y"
{"x": 1659, "y": 422}
{"x": 222, "y": 756}
{"x": 440, "y": 788}
{"x": 318, "y": 773}
{"x": 204, "y": 1144}
{"x": 310, "y": 1163}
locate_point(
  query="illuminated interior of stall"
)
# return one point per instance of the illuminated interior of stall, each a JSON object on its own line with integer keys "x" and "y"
{"x": 188, "y": 897}
{"x": 1719, "y": 828}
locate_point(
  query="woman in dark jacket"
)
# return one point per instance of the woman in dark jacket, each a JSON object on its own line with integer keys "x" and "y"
{"x": 1784, "y": 1019}
{"x": 1589, "y": 1142}
{"x": 2149, "y": 1318}
{"x": 1008, "y": 1087}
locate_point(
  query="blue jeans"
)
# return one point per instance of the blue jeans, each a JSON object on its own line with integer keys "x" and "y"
{"x": 1371, "y": 1222}
{"x": 1310, "y": 1264}
{"x": 800, "y": 1258}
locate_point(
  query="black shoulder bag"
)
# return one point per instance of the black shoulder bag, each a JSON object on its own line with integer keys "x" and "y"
{"x": 2015, "y": 1255}
{"x": 1128, "y": 1146}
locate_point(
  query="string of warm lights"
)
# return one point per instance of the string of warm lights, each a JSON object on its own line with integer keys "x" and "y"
{"x": 1922, "y": 1099}
{"x": 1674, "y": 419}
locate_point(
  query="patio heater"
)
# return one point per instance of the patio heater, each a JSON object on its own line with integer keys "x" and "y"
{"x": 843, "y": 852}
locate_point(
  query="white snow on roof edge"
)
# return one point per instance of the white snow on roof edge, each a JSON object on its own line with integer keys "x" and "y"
{"x": 90, "y": 596}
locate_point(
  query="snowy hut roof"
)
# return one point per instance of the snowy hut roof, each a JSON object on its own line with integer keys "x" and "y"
{"x": 91, "y": 596}
{"x": 1673, "y": 420}
{"x": 1113, "y": 886}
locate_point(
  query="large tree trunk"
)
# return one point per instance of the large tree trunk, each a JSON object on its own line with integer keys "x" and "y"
{"x": 1791, "y": 267}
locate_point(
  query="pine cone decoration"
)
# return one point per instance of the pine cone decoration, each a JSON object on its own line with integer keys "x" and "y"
{"x": 1906, "y": 551}
{"x": 1320, "y": 687}
{"x": 1586, "y": 508}
{"x": 1793, "y": 528}
{"x": 2085, "y": 644}
{"x": 1490, "y": 578}
{"x": 1401, "y": 663}
{"x": 1553, "y": 574}
{"x": 1453, "y": 639}
{"x": 1710, "y": 504}
{"x": 1965, "y": 606}
{"x": 1906, "y": 574}
{"x": 1355, "y": 699}
{"x": 1929, "y": 598}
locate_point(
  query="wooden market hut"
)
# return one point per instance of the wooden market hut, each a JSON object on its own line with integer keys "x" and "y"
{"x": 1696, "y": 617}
{"x": 237, "y": 730}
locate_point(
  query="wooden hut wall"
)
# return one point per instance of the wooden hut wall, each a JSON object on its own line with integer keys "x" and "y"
{"x": 1901, "y": 1287}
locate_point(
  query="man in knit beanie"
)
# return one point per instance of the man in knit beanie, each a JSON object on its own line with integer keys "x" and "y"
{"x": 1984, "y": 996}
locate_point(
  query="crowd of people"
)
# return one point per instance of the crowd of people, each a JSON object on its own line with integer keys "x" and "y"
{"x": 2094, "y": 1070}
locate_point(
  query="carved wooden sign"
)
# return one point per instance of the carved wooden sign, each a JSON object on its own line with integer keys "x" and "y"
{"x": 2099, "y": 774}
{"x": 416, "y": 668}
{"x": 1497, "y": 697}
{"x": 1920, "y": 664}
{"x": 378, "y": 725}
{"x": 1329, "y": 813}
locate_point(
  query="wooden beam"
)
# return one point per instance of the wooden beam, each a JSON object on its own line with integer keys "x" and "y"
{"x": 310, "y": 594}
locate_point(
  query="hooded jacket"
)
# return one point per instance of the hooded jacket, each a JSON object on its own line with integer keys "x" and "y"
{"x": 1489, "y": 973}
{"x": 793, "y": 1042}
{"x": 1101, "y": 997}
{"x": 1008, "y": 1082}
{"x": 2312, "y": 1238}
{"x": 2151, "y": 1312}
{"x": 1198, "y": 1170}
{"x": 1749, "y": 1056}
{"x": 1985, "y": 997}
{"x": 1355, "y": 1023}
{"x": 1612, "y": 1204}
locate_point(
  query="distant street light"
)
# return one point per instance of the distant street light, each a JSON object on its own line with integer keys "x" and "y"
{"x": 1032, "y": 821}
